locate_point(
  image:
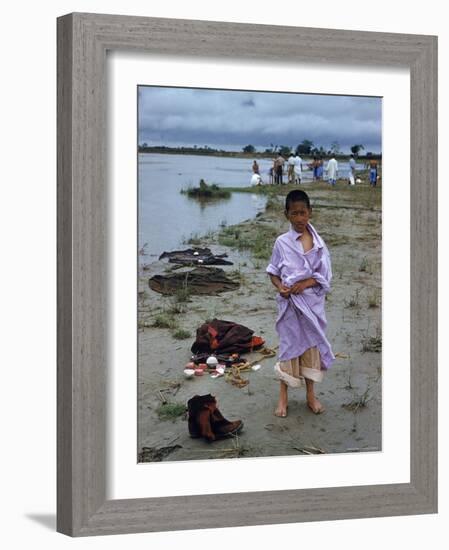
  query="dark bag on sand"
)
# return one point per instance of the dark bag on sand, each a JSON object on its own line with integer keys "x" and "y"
{"x": 219, "y": 336}
{"x": 206, "y": 421}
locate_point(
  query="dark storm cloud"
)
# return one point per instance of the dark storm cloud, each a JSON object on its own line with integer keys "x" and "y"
{"x": 231, "y": 119}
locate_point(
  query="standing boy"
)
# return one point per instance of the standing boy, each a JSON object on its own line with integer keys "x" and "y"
{"x": 300, "y": 269}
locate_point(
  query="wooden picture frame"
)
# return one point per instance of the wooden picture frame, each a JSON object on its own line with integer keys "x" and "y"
{"x": 83, "y": 40}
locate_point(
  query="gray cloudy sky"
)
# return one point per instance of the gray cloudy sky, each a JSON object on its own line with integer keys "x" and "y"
{"x": 232, "y": 119}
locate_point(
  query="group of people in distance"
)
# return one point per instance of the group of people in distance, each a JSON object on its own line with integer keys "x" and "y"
{"x": 295, "y": 169}
{"x": 276, "y": 172}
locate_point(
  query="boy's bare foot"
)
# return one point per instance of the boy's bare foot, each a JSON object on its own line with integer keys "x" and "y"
{"x": 281, "y": 411}
{"x": 314, "y": 405}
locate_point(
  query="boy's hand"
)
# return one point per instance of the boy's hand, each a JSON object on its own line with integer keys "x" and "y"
{"x": 298, "y": 287}
{"x": 284, "y": 291}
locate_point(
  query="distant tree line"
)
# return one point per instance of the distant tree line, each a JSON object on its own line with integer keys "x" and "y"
{"x": 308, "y": 148}
{"x": 194, "y": 150}
{"x": 305, "y": 148}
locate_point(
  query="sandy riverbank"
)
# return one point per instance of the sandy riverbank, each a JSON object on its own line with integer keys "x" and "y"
{"x": 349, "y": 219}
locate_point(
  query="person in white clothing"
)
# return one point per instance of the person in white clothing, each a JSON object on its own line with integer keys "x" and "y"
{"x": 351, "y": 173}
{"x": 256, "y": 179}
{"x": 332, "y": 171}
{"x": 291, "y": 169}
{"x": 298, "y": 169}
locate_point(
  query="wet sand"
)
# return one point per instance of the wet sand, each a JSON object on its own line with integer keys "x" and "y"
{"x": 349, "y": 219}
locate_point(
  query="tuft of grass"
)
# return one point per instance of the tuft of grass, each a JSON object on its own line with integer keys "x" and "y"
{"x": 141, "y": 324}
{"x": 358, "y": 402}
{"x": 175, "y": 309}
{"x": 143, "y": 250}
{"x": 373, "y": 300}
{"x": 373, "y": 344}
{"x": 364, "y": 264}
{"x": 349, "y": 385}
{"x": 353, "y": 302}
{"x": 333, "y": 239}
{"x": 170, "y": 411}
{"x": 182, "y": 295}
{"x": 164, "y": 320}
{"x": 238, "y": 275}
{"x": 181, "y": 334}
{"x": 273, "y": 203}
{"x": 259, "y": 243}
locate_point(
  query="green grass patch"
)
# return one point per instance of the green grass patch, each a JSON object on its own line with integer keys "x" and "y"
{"x": 332, "y": 239}
{"x": 364, "y": 264}
{"x": 353, "y": 301}
{"x": 359, "y": 402}
{"x": 176, "y": 308}
{"x": 207, "y": 191}
{"x": 255, "y": 189}
{"x": 237, "y": 275}
{"x": 182, "y": 295}
{"x": 170, "y": 411}
{"x": 181, "y": 334}
{"x": 274, "y": 203}
{"x": 165, "y": 320}
{"x": 373, "y": 344}
{"x": 258, "y": 239}
{"x": 373, "y": 300}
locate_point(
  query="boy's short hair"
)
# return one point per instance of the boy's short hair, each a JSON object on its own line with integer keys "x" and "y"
{"x": 297, "y": 196}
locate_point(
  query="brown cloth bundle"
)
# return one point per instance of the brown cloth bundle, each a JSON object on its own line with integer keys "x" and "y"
{"x": 220, "y": 336}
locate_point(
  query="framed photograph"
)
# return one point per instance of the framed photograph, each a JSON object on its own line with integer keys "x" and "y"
{"x": 229, "y": 313}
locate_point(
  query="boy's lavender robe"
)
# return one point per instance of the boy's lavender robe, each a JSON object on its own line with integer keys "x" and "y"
{"x": 301, "y": 319}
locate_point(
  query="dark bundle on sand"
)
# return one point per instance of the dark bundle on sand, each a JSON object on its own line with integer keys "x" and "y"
{"x": 201, "y": 280}
{"x": 205, "y": 419}
{"x": 219, "y": 336}
{"x": 195, "y": 256}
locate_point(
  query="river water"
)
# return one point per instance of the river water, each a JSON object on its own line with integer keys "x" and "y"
{"x": 167, "y": 217}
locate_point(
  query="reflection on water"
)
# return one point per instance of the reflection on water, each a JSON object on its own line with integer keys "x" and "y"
{"x": 205, "y": 203}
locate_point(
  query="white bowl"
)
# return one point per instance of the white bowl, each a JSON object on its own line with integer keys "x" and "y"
{"x": 189, "y": 373}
